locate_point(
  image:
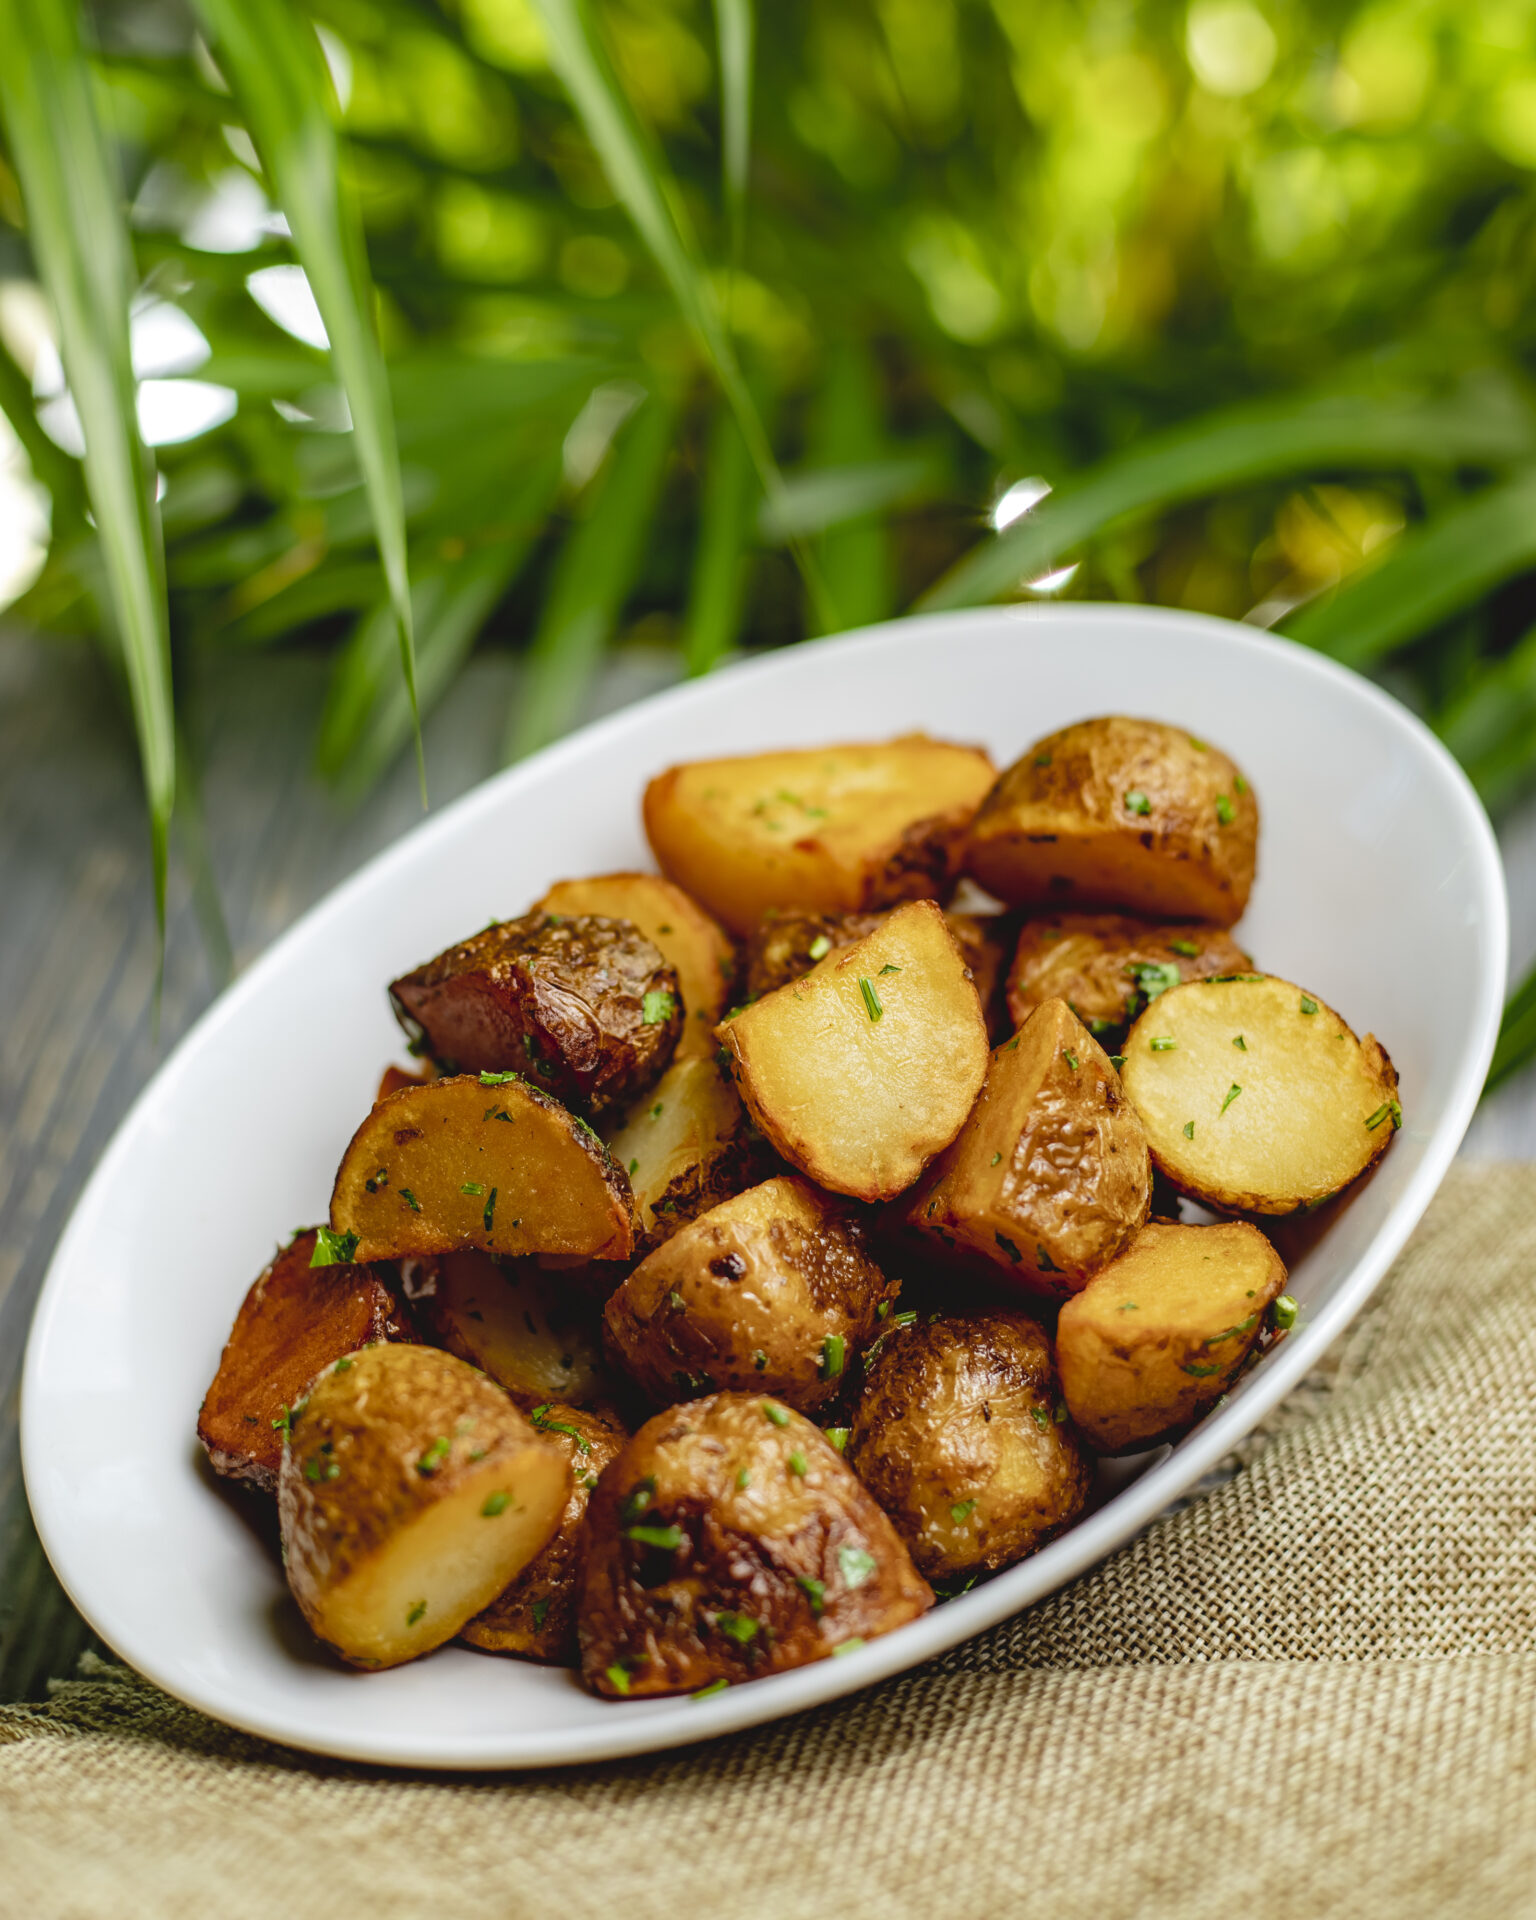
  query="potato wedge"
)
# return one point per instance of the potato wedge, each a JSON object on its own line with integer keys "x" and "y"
{"x": 727, "y": 1541}
{"x": 1049, "y": 1178}
{"x": 412, "y": 1491}
{"x": 785, "y": 946}
{"x": 1107, "y": 967}
{"x": 983, "y": 940}
{"x": 685, "y": 1145}
{"x": 771, "y": 1291}
{"x": 586, "y": 1005}
{"x": 1157, "y": 1338}
{"x": 1256, "y": 1097}
{"x": 535, "y": 1616}
{"x": 962, "y": 1436}
{"x": 295, "y": 1320}
{"x": 479, "y": 1161}
{"x": 864, "y": 1069}
{"x": 1121, "y": 813}
{"x": 532, "y": 1334}
{"x": 828, "y": 829}
{"x": 694, "y": 945}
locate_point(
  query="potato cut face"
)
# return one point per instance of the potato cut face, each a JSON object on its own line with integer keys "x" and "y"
{"x": 532, "y": 1335}
{"x": 771, "y": 1291}
{"x": 728, "y": 1541}
{"x": 1049, "y": 1179}
{"x": 864, "y": 1069}
{"x": 412, "y": 1491}
{"x": 835, "y": 829}
{"x": 684, "y": 1146}
{"x": 1256, "y": 1097}
{"x": 962, "y": 1436}
{"x": 1120, "y": 813}
{"x": 1153, "y": 1341}
{"x": 1108, "y": 967}
{"x": 479, "y": 1161}
{"x": 692, "y": 942}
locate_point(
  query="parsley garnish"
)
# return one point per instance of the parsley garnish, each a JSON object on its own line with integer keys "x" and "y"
{"x": 540, "y": 1419}
{"x": 410, "y": 1200}
{"x": 1163, "y": 1044}
{"x": 1117, "y": 1061}
{"x": 995, "y": 1158}
{"x": 819, "y": 947}
{"x": 656, "y": 1007}
{"x": 1042, "y": 759}
{"x": 434, "y": 1457}
{"x": 1046, "y": 1263}
{"x": 540, "y": 1611}
{"x": 1156, "y": 976}
{"x": 1239, "y": 784}
{"x": 490, "y": 1209}
{"x": 1223, "y": 809}
{"x": 1186, "y": 947}
{"x": 889, "y": 967}
{"x": 815, "y": 1591}
{"x": 855, "y": 1565}
{"x": 1200, "y": 1373}
{"x": 414, "y": 1612}
{"x": 760, "y": 1360}
{"x": 1308, "y": 1004}
{"x": 838, "y": 1436}
{"x": 872, "y": 1004}
{"x": 962, "y": 1512}
{"x": 495, "y": 1503}
{"x": 1231, "y": 1333}
{"x": 833, "y": 1356}
{"x": 637, "y": 1501}
{"x": 634, "y": 1168}
{"x": 773, "y": 1412}
{"x": 1008, "y": 1247}
{"x": 497, "y": 1079}
{"x": 1240, "y": 1043}
{"x": 1283, "y": 1313}
{"x": 1137, "y": 802}
{"x": 284, "y": 1421}
{"x": 333, "y": 1249}
{"x": 617, "y": 1678}
{"x": 715, "y": 1686}
{"x": 847, "y": 1646}
{"x": 472, "y": 1186}
{"x": 1388, "y": 1110}
{"x": 797, "y": 1464}
{"x": 675, "y": 1301}
{"x": 1232, "y": 1092}
{"x": 743, "y": 1479}
{"x": 668, "y": 1539}
{"x": 1071, "y": 1060}
{"x": 741, "y": 1627}
{"x": 1189, "y": 1129}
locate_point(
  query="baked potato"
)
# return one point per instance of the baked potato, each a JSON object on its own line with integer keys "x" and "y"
{"x": 685, "y": 1146}
{"x": 694, "y": 945}
{"x": 729, "y": 1540}
{"x": 1049, "y": 1178}
{"x": 771, "y": 1291}
{"x": 1108, "y": 967}
{"x": 836, "y": 829}
{"x": 1255, "y": 1096}
{"x": 535, "y": 1616}
{"x": 1120, "y": 813}
{"x": 864, "y": 1069}
{"x": 532, "y": 1333}
{"x": 296, "y": 1319}
{"x": 479, "y": 1161}
{"x": 962, "y": 1437}
{"x": 411, "y": 1492}
{"x": 1155, "y": 1339}
{"x": 983, "y": 940}
{"x": 583, "y": 1005}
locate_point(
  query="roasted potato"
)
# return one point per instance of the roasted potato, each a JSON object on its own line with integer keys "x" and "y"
{"x": 685, "y": 1146}
{"x": 1119, "y": 813}
{"x": 393, "y": 1078}
{"x": 962, "y": 1436}
{"x": 532, "y": 1334}
{"x": 983, "y": 942}
{"x": 826, "y": 830}
{"x": 864, "y": 1069}
{"x": 585, "y": 1005}
{"x": 729, "y": 1540}
{"x": 1107, "y": 967}
{"x": 772, "y": 1291}
{"x": 1049, "y": 1178}
{"x": 412, "y": 1491}
{"x": 1155, "y": 1339}
{"x": 296, "y": 1319}
{"x": 479, "y": 1161}
{"x": 693, "y": 944}
{"x": 785, "y": 946}
{"x": 1255, "y": 1095}
{"x": 536, "y": 1615}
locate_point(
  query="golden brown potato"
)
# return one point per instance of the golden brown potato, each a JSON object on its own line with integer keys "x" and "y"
{"x": 1049, "y": 1179}
{"x": 296, "y": 1319}
{"x": 785, "y": 946}
{"x": 479, "y": 1161}
{"x": 983, "y": 941}
{"x": 685, "y": 1146}
{"x": 696, "y": 946}
{"x": 826, "y": 830}
{"x": 1120, "y": 813}
{"x": 587, "y": 1006}
{"x": 533, "y": 1334}
{"x": 393, "y": 1078}
{"x": 411, "y": 1493}
{"x": 1154, "y": 1340}
{"x": 1107, "y": 967}
{"x": 536, "y": 1615}
{"x": 962, "y": 1436}
{"x": 771, "y": 1291}
{"x": 1255, "y": 1095}
{"x": 864, "y": 1069}
{"x": 727, "y": 1541}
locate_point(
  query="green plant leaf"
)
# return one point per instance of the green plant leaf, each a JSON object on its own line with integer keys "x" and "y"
{"x": 1516, "y": 1044}
{"x": 734, "y": 30}
{"x": 821, "y": 497}
{"x": 75, "y": 227}
{"x": 849, "y": 429}
{"x": 1491, "y": 725}
{"x": 727, "y": 498}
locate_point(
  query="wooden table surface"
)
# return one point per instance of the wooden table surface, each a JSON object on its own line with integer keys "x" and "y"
{"x": 78, "y": 953}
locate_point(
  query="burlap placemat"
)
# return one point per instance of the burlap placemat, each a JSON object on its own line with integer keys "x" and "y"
{"x": 1311, "y": 1691}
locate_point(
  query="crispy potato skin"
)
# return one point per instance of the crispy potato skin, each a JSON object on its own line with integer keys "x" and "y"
{"x": 535, "y": 1617}
{"x": 685, "y": 1146}
{"x": 530, "y": 1331}
{"x": 294, "y": 1321}
{"x": 785, "y": 946}
{"x": 393, "y": 1078}
{"x": 1058, "y": 829}
{"x": 1102, "y": 965}
{"x": 771, "y": 1291}
{"x": 783, "y": 1555}
{"x": 561, "y": 999}
{"x": 962, "y": 1436}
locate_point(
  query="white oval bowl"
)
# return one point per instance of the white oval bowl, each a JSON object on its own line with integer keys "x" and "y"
{"x": 1380, "y": 888}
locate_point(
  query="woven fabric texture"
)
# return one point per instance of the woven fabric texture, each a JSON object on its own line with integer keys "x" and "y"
{"x": 1310, "y": 1691}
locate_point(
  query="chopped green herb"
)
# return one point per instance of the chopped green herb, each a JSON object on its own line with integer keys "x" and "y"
{"x": 1189, "y": 1129}
{"x": 1059, "y": 1413}
{"x": 637, "y": 1501}
{"x": 774, "y": 1412}
{"x": 675, "y": 1301}
{"x": 499, "y": 1079}
{"x": 415, "y": 1612}
{"x": 872, "y": 1004}
{"x": 820, "y": 947}
{"x": 656, "y": 1111}
{"x": 797, "y": 1464}
{"x": 905, "y": 1319}
{"x": 1162, "y": 1043}
{"x": 1308, "y": 1004}
{"x": 847, "y": 1646}
{"x": 1232, "y": 1092}
{"x": 1186, "y": 947}
{"x": 1230, "y": 1333}
{"x": 434, "y": 1457}
{"x": 1008, "y": 1247}
{"x": 962, "y": 1512}
{"x": 741, "y": 1627}
{"x": 1128, "y": 1306}
{"x": 838, "y": 1436}
{"x": 656, "y": 1007}
{"x": 1041, "y": 1418}
{"x": 815, "y": 1591}
{"x": 1388, "y": 1110}
{"x": 1200, "y": 1373}
{"x": 1239, "y": 784}
{"x": 743, "y": 1479}
{"x": 1223, "y": 809}
{"x": 1071, "y": 1060}
{"x": 375, "y": 1180}
{"x": 855, "y": 1565}
{"x": 1044, "y": 1261}
{"x": 1198, "y": 745}
{"x": 833, "y": 1356}
{"x": 1154, "y": 977}
{"x": 540, "y": 1418}
{"x": 332, "y": 1249}
{"x": 313, "y": 1468}
{"x": 472, "y": 1186}
{"x": 715, "y": 1686}
{"x": 1137, "y": 802}
{"x": 889, "y": 967}
{"x": 1283, "y": 1313}
{"x": 618, "y": 1678}
{"x": 343, "y": 1366}
{"x": 759, "y": 1360}
{"x": 634, "y": 1168}
{"x": 495, "y": 1503}
{"x": 490, "y": 1209}
{"x": 1240, "y": 1043}
{"x": 1117, "y": 1061}
{"x": 410, "y": 1200}
{"x": 1042, "y": 759}
{"x": 667, "y": 1539}
{"x": 540, "y": 1611}
{"x": 284, "y": 1421}
{"x": 995, "y": 1158}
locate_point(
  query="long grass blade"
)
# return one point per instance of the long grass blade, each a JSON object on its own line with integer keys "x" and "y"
{"x": 849, "y": 438}
{"x": 80, "y": 246}
{"x": 821, "y": 498}
{"x": 717, "y": 593}
{"x": 1516, "y": 1044}
{"x": 734, "y": 31}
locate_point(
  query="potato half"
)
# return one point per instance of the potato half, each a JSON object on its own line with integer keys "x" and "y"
{"x": 1107, "y": 966}
{"x": 827, "y": 829}
{"x": 479, "y": 1161}
{"x": 864, "y": 1069}
{"x": 1120, "y": 813}
{"x": 785, "y": 946}
{"x": 685, "y": 1146}
{"x": 532, "y": 1334}
{"x": 1049, "y": 1179}
{"x": 411, "y": 1492}
{"x": 771, "y": 1291}
{"x": 962, "y": 1436}
{"x": 1256, "y": 1097}
{"x": 1157, "y": 1338}
{"x": 727, "y": 1541}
